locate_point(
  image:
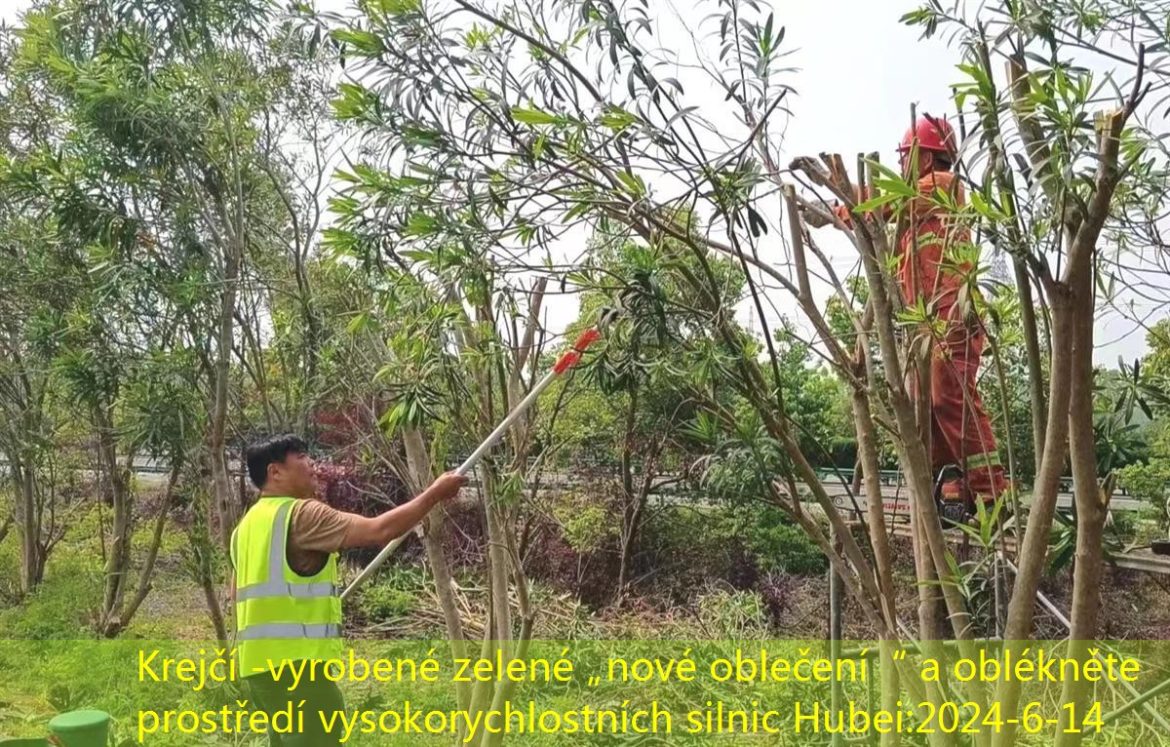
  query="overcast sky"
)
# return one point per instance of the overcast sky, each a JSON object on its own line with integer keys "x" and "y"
{"x": 858, "y": 72}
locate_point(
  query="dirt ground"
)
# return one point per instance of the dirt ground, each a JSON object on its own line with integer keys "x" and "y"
{"x": 1134, "y": 605}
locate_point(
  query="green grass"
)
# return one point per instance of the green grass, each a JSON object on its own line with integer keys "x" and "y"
{"x": 59, "y": 665}
{"x": 61, "y": 675}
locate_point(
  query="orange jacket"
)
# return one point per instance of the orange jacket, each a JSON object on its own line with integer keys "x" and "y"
{"x": 926, "y": 238}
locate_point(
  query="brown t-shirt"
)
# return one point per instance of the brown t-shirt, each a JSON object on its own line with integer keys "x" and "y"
{"x": 316, "y": 531}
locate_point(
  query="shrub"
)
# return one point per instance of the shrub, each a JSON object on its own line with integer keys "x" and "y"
{"x": 686, "y": 547}
{"x": 574, "y": 547}
{"x": 394, "y": 594}
{"x": 585, "y": 525}
{"x": 1147, "y": 482}
{"x": 775, "y": 545}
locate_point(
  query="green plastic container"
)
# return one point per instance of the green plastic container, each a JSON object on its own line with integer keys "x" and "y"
{"x": 81, "y": 728}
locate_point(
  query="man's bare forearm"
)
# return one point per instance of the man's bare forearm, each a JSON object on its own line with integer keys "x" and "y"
{"x": 401, "y": 519}
{"x": 382, "y": 529}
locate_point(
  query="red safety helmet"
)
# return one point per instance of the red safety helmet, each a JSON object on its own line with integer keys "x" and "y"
{"x": 932, "y": 133}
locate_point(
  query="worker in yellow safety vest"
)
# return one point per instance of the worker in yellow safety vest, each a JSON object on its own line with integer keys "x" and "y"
{"x": 286, "y": 586}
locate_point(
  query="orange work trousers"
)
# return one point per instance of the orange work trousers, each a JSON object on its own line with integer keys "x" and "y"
{"x": 961, "y": 431}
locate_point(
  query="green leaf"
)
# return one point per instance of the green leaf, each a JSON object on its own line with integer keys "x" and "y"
{"x": 970, "y": 531}
{"x": 577, "y": 210}
{"x": 633, "y": 184}
{"x": 398, "y": 7}
{"x": 393, "y": 419}
{"x": 983, "y": 207}
{"x": 421, "y": 224}
{"x": 355, "y": 101}
{"x": 533, "y": 116}
{"x": 617, "y": 119}
{"x": 364, "y": 42}
{"x": 898, "y": 186}
{"x": 418, "y": 255}
{"x": 415, "y": 135}
{"x": 885, "y": 198}
{"x": 358, "y": 324}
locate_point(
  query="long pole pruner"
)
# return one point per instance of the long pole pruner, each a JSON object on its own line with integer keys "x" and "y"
{"x": 567, "y": 360}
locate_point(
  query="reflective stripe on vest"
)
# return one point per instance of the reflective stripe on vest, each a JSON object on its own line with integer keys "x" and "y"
{"x": 284, "y": 589}
{"x": 281, "y": 615}
{"x": 289, "y": 630}
{"x": 276, "y": 586}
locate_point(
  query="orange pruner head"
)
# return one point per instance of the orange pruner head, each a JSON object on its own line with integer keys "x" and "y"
{"x": 570, "y": 358}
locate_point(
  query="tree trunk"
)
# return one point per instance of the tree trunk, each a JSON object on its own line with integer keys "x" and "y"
{"x": 200, "y": 552}
{"x": 433, "y": 535}
{"x": 1091, "y": 504}
{"x": 497, "y": 562}
{"x": 631, "y": 530}
{"x": 214, "y": 609}
{"x": 226, "y": 509}
{"x": 1035, "y": 361}
{"x": 630, "y": 514}
{"x": 420, "y": 476}
{"x": 883, "y": 565}
{"x": 118, "y": 562}
{"x": 32, "y": 561}
{"x": 1033, "y": 551}
{"x": 871, "y": 239}
{"x": 913, "y": 454}
{"x": 146, "y": 576}
{"x": 998, "y": 166}
{"x": 313, "y": 343}
{"x": 931, "y": 617}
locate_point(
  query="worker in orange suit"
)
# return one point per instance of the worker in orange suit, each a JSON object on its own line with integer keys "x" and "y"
{"x": 961, "y": 431}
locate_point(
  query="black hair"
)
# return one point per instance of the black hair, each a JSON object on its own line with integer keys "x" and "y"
{"x": 942, "y": 162}
{"x": 260, "y": 454}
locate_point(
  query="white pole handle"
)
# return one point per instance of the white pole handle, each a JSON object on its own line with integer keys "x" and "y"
{"x": 564, "y": 363}
{"x": 492, "y": 439}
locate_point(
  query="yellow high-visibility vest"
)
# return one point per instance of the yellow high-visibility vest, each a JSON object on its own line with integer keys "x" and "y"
{"x": 280, "y": 614}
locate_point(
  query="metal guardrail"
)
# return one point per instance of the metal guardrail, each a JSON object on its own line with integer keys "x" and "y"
{"x": 889, "y": 478}
{"x": 153, "y": 467}
{"x": 896, "y": 478}
{"x": 1135, "y": 560}
{"x": 834, "y": 481}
